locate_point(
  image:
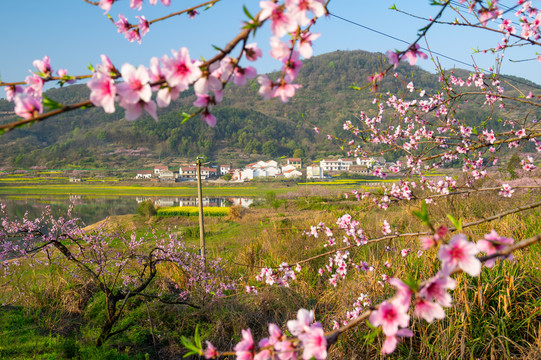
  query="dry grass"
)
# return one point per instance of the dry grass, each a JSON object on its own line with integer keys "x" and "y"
{"x": 496, "y": 316}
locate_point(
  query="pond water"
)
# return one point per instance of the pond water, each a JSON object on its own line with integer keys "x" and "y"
{"x": 92, "y": 209}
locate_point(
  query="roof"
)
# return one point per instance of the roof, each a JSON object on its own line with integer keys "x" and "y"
{"x": 144, "y": 172}
{"x": 337, "y": 160}
{"x": 294, "y": 159}
{"x": 161, "y": 167}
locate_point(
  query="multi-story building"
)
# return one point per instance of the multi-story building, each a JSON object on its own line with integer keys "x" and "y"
{"x": 314, "y": 171}
{"x": 335, "y": 165}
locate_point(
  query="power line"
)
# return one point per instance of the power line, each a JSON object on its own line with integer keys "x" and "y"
{"x": 433, "y": 52}
{"x": 397, "y": 39}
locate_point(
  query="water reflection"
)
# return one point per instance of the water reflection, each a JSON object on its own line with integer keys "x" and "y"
{"x": 193, "y": 201}
{"x": 92, "y": 209}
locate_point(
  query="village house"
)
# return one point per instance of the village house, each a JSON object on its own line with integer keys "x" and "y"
{"x": 314, "y": 171}
{"x": 144, "y": 174}
{"x": 187, "y": 172}
{"x": 262, "y": 164}
{"x": 190, "y": 172}
{"x": 288, "y": 167}
{"x": 336, "y": 165}
{"x": 208, "y": 173}
{"x": 367, "y": 162}
{"x": 167, "y": 175}
{"x": 297, "y": 162}
{"x": 359, "y": 170}
{"x": 224, "y": 169}
{"x": 292, "y": 173}
{"x": 159, "y": 168}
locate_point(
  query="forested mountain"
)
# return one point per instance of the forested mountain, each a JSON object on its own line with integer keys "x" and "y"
{"x": 248, "y": 127}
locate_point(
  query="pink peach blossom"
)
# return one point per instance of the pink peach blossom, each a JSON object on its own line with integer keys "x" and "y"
{"x": 209, "y": 118}
{"x": 210, "y": 352}
{"x": 252, "y": 52}
{"x": 135, "y": 86}
{"x": 102, "y": 92}
{"x": 106, "y": 5}
{"x": 281, "y": 21}
{"x": 314, "y": 343}
{"x": 436, "y": 289}
{"x": 44, "y": 66}
{"x": 285, "y": 91}
{"x": 391, "y": 316}
{"x": 27, "y": 106}
{"x": 12, "y": 91}
{"x": 493, "y": 243}
{"x": 180, "y": 71}
{"x": 428, "y": 310}
{"x": 389, "y": 345}
{"x": 459, "y": 253}
{"x": 305, "y": 44}
{"x": 245, "y": 348}
{"x": 304, "y": 320}
{"x": 413, "y": 53}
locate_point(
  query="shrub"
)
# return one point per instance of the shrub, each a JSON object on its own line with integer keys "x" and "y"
{"x": 147, "y": 209}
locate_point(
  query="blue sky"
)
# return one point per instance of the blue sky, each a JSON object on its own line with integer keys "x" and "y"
{"x": 74, "y": 34}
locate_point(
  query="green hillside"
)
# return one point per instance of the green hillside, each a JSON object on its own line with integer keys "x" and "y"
{"x": 248, "y": 127}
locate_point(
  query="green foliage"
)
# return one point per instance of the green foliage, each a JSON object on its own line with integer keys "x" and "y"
{"x": 299, "y": 153}
{"x": 194, "y": 346}
{"x": 270, "y": 197}
{"x": 512, "y": 165}
{"x": 422, "y": 214}
{"x": 146, "y": 209}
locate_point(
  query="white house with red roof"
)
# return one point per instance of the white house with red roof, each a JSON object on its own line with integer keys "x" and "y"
{"x": 292, "y": 173}
{"x": 224, "y": 169}
{"x": 159, "y": 168}
{"x": 144, "y": 174}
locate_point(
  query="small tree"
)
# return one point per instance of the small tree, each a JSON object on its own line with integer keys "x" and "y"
{"x": 147, "y": 209}
{"x": 122, "y": 266}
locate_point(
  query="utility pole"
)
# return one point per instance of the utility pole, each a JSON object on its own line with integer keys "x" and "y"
{"x": 200, "y": 197}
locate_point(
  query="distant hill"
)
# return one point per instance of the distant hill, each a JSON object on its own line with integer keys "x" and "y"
{"x": 248, "y": 127}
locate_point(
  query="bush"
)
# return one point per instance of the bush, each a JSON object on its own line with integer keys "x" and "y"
{"x": 147, "y": 209}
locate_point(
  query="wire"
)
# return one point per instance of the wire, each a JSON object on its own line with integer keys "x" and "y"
{"x": 397, "y": 39}
{"x": 433, "y": 52}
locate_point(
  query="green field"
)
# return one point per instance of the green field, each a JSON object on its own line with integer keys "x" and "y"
{"x": 120, "y": 189}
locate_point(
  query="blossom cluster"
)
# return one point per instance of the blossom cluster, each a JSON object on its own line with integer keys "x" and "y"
{"x": 431, "y": 297}
{"x": 428, "y": 300}
{"x": 429, "y": 130}
{"x": 122, "y": 267}
{"x": 280, "y": 276}
{"x": 145, "y": 89}
{"x": 310, "y": 342}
